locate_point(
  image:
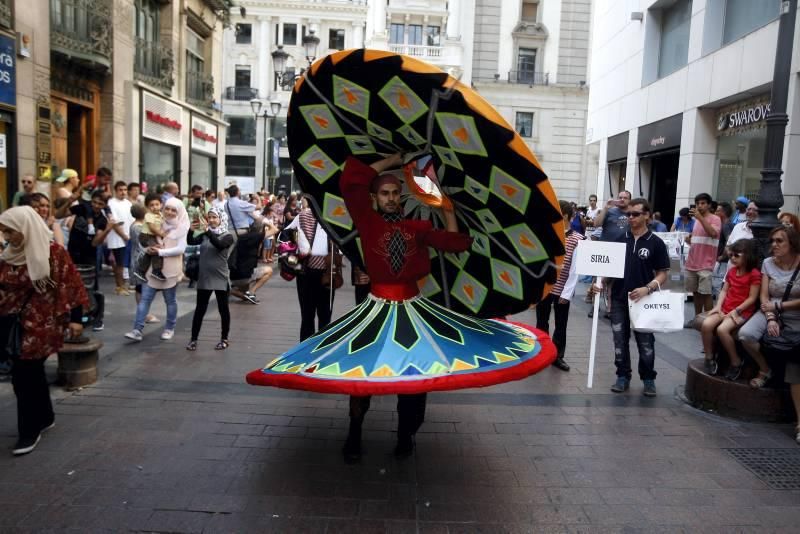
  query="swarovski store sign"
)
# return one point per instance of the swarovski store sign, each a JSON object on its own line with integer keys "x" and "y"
{"x": 743, "y": 116}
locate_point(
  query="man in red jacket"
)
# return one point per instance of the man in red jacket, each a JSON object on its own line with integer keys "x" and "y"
{"x": 396, "y": 255}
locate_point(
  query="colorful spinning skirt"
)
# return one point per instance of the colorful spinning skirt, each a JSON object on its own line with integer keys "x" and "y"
{"x": 384, "y": 347}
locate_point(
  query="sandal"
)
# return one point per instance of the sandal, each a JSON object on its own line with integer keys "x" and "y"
{"x": 761, "y": 380}
{"x": 192, "y": 346}
{"x": 734, "y": 372}
{"x": 222, "y": 345}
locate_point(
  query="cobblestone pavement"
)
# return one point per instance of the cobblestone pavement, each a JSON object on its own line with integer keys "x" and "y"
{"x": 173, "y": 441}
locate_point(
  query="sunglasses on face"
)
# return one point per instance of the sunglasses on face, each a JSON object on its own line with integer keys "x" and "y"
{"x": 633, "y": 214}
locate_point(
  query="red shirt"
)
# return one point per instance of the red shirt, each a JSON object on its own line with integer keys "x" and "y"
{"x": 739, "y": 290}
{"x": 376, "y": 233}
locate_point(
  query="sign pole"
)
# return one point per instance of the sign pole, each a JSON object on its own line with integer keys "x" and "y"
{"x": 593, "y": 344}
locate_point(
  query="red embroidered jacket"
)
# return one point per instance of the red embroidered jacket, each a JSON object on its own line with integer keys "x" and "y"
{"x": 46, "y": 315}
{"x": 376, "y": 233}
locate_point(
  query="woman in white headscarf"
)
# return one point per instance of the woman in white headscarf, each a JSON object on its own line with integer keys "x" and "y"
{"x": 216, "y": 243}
{"x": 38, "y": 284}
{"x": 176, "y": 225}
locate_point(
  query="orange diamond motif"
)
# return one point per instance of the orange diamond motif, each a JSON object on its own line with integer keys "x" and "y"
{"x": 470, "y": 291}
{"x": 322, "y": 121}
{"x": 338, "y": 211}
{"x": 403, "y": 102}
{"x": 505, "y": 277}
{"x": 525, "y": 242}
{"x": 462, "y": 134}
{"x": 351, "y": 97}
{"x": 318, "y": 164}
{"x": 509, "y": 190}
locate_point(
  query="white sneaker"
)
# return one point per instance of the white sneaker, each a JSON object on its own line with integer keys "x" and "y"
{"x": 135, "y": 335}
{"x": 166, "y": 335}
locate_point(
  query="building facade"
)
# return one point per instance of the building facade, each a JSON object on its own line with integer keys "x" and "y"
{"x": 531, "y": 62}
{"x": 132, "y": 85}
{"x": 680, "y": 92}
{"x": 256, "y": 151}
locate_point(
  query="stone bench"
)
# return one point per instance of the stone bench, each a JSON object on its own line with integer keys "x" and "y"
{"x": 77, "y": 364}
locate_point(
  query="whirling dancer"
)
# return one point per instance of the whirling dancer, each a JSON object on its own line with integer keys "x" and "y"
{"x": 398, "y": 341}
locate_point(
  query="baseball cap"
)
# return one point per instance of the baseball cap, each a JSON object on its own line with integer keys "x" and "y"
{"x": 743, "y": 200}
{"x": 66, "y": 174}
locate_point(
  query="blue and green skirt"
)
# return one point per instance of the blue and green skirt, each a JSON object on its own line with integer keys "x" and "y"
{"x": 384, "y": 347}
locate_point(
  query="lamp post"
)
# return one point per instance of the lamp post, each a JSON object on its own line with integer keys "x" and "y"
{"x": 770, "y": 196}
{"x": 274, "y": 109}
{"x": 280, "y": 57}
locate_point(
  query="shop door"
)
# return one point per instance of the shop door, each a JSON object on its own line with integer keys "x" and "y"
{"x": 73, "y": 137}
{"x": 664, "y": 184}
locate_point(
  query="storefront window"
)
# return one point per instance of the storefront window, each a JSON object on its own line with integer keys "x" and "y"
{"x": 159, "y": 162}
{"x": 203, "y": 171}
{"x": 740, "y": 158}
{"x": 744, "y": 16}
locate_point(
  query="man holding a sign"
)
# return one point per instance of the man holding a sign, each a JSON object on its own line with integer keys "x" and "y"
{"x": 646, "y": 268}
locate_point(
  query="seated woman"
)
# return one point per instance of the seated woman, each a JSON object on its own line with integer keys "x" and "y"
{"x": 780, "y": 308}
{"x": 735, "y": 305}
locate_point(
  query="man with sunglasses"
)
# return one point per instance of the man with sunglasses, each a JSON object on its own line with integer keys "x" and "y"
{"x": 28, "y": 182}
{"x": 646, "y": 268}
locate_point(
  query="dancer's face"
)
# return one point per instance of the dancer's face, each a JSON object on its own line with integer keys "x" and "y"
{"x": 388, "y": 198}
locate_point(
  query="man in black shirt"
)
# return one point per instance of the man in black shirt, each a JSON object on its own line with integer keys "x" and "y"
{"x": 89, "y": 230}
{"x": 646, "y": 268}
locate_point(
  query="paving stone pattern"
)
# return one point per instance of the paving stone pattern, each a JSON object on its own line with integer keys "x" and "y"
{"x": 173, "y": 441}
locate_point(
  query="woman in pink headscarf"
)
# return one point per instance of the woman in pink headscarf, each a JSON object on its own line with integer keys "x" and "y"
{"x": 176, "y": 225}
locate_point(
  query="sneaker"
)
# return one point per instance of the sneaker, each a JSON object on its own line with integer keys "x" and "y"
{"x": 158, "y": 275}
{"x": 710, "y": 366}
{"x": 590, "y": 314}
{"x": 121, "y": 291}
{"x": 622, "y": 384}
{"x": 166, "y": 335}
{"x": 48, "y": 427}
{"x": 25, "y": 445}
{"x": 734, "y": 372}
{"x": 139, "y": 277}
{"x": 252, "y": 295}
{"x": 561, "y": 364}
{"x": 249, "y": 297}
{"x": 98, "y": 327}
{"x": 649, "y": 388}
{"x": 135, "y": 335}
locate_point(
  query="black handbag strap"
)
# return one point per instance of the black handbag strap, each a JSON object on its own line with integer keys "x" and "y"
{"x": 790, "y": 285}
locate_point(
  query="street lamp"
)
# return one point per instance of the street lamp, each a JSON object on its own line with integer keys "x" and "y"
{"x": 280, "y": 56}
{"x": 770, "y": 196}
{"x": 274, "y": 110}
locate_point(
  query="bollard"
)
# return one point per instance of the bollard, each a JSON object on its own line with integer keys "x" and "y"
{"x": 77, "y": 364}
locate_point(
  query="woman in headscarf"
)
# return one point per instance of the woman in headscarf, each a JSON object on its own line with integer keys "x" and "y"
{"x": 39, "y": 282}
{"x": 215, "y": 243}
{"x": 176, "y": 225}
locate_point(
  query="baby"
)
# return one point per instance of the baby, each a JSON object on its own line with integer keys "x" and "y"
{"x": 151, "y": 235}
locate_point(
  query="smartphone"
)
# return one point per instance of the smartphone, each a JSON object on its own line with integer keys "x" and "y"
{"x": 691, "y": 206}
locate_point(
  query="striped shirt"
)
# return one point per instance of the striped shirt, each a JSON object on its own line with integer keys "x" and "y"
{"x": 572, "y": 240}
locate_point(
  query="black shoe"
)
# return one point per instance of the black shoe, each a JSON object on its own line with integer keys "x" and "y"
{"x": 622, "y": 384}
{"x": 561, "y": 364}
{"x": 734, "y": 372}
{"x": 25, "y": 445}
{"x": 710, "y": 366}
{"x": 404, "y": 447}
{"x": 590, "y": 314}
{"x": 140, "y": 277}
{"x": 249, "y": 297}
{"x": 158, "y": 275}
{"x": 352, "y": 450}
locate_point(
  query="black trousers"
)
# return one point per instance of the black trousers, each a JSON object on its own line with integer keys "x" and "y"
{"x": 410, "y": 412}
{"x": 34, "y": 409}
{"x": 203, "y": 296}
{"x": 362, "y": 290}
{"x": 315, "y": 302}
{"x": 562, "y": 316}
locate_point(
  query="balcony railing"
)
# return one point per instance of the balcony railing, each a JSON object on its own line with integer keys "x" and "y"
{"x": 416, "y": 50}
{"x": 528, "y": 77}
{"x": 81, "y": 29}
{"x": 199, "y": 88}
{"x": 5, "y": 13}
{"x": 241, "y": 93}
{"x": 154, "y": 63}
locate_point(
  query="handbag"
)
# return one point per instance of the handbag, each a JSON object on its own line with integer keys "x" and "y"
{"x": 661, "y": 311}
{"x": 11, "y": 333}
{"x": 789, "y": 337}
{"x": 333, "y": 269}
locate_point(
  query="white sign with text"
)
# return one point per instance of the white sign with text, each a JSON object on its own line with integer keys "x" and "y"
{"x": 601, "y": 258}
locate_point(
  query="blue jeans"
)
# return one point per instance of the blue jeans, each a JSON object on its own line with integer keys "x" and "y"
{"x": 621, "y": 329}
{"x": 143, "y": 308}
